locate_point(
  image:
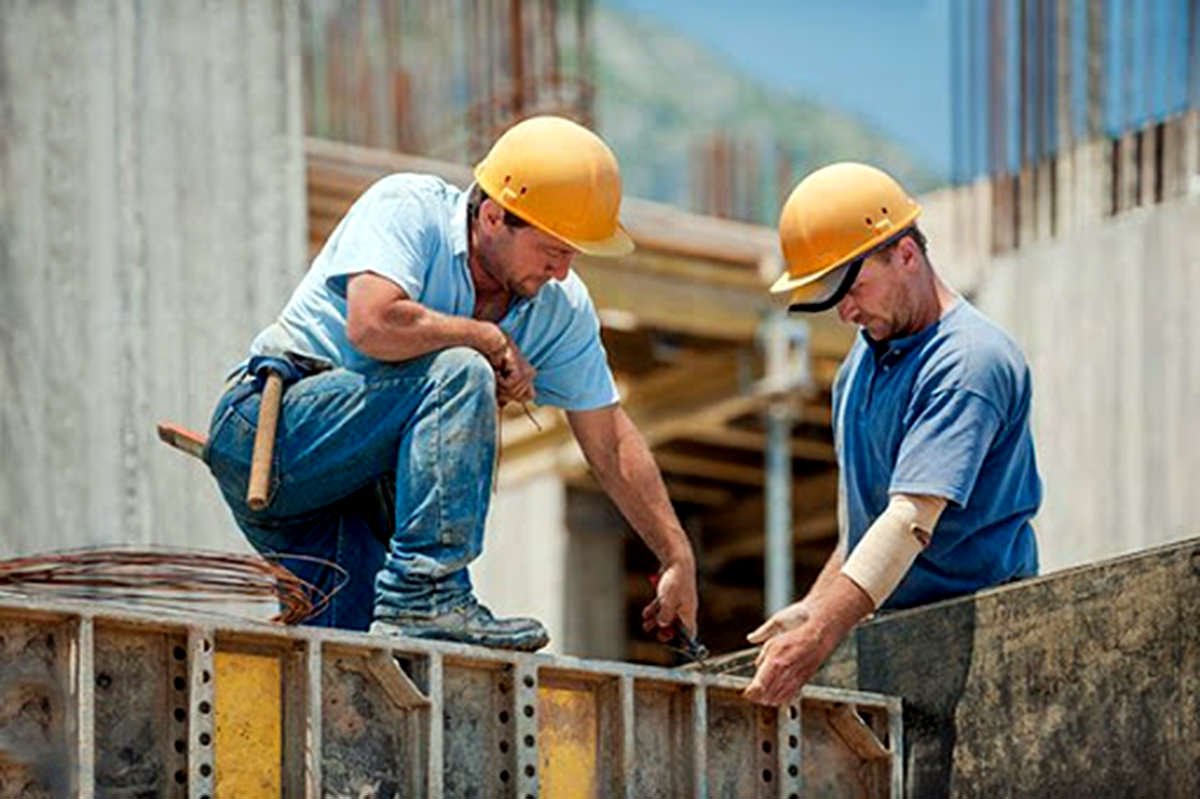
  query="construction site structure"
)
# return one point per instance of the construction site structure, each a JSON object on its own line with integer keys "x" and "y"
{"x": 111, "y": 704}
{"x": 1078, "y": 683}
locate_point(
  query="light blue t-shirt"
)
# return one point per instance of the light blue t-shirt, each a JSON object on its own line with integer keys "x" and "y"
{"x": 944, "y": 412}
{"x": 412, "y": 229}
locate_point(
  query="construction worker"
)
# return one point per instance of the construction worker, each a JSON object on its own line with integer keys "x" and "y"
{"x": 428, "y": 309}
{"x": 938, "y": 480}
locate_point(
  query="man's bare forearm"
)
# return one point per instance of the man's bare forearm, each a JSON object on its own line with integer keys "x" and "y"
{"x": 405, "y": 329}
{"x": 831, "y": 569}
{"x": 627, "y": 472}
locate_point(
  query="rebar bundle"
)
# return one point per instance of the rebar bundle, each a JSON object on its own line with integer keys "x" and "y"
{"x": 169, "y": 577}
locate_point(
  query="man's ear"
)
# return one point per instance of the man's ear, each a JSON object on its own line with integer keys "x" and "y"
{"x": 491, "y": 215}
{"x": 906, "y": 253}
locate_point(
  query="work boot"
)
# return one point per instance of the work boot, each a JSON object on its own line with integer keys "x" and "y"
{"x": 469, "y": 624}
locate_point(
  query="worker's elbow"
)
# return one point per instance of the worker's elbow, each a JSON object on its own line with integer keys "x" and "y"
{"x": 362, "y": 334}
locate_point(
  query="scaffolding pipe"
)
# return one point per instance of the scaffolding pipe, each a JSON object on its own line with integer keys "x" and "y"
{"x": 778, "y": 557}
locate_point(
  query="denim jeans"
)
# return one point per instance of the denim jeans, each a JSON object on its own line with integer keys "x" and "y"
{"x": 386, "y": 473}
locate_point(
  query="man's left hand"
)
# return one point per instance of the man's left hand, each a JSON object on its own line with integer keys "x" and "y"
{"x": 674, "y": 600}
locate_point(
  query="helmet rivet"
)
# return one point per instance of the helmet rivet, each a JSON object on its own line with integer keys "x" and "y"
{"x": 884, "y": 210}
{"x": 524, "y": 189}
{"x": 868, "y": 220}
{"x": 507, "y": 178}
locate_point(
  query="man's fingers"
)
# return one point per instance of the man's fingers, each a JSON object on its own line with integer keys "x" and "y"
{"x": 764, "y": 631}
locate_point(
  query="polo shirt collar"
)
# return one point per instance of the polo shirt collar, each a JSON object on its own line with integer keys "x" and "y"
{"x": 458, "y": 223}
{"x": 897, "y": 348}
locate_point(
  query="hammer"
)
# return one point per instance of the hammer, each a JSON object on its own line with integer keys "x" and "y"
{"x": 264, "y": 440}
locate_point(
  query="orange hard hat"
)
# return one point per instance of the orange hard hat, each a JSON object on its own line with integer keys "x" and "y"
{"x": 833, "y": 219}
{"x": 561, "y": 178}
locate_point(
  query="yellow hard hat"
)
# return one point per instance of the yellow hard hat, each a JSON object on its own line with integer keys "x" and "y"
{"x": 831, "y": 222}
{"x": 561, "y": 178}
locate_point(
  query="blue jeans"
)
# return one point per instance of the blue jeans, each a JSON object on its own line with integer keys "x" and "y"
{"x": 387, "y": 473}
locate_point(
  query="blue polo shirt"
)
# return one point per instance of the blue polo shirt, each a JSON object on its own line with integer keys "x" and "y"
{"x": 412, "y": 230}
{"x": 944, "y": 412}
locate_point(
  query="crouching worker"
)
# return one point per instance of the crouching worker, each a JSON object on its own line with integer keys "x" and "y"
{"x": 431, "y": 308}
{"x": 937, "y": 476}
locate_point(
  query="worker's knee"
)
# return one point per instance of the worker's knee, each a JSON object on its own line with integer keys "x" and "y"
{"x": 464, "y": 369}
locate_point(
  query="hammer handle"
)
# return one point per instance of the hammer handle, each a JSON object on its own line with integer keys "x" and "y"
{"x": 264, "y": 442}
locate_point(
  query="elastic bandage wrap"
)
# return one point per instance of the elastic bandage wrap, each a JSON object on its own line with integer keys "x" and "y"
{"x": 892, "y": 543}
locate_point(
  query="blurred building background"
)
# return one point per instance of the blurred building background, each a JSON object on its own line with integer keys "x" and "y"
{"x": 166, "y": 171}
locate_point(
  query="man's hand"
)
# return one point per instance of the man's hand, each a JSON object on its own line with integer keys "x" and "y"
{"x": 787, "y": 661}
{"x": 790, "y": 658}
{"x": 674, "y": 600}
{"x": 491, "y": 342}
{"x": 781, "y": 621}
{"x": 514, "y": 377}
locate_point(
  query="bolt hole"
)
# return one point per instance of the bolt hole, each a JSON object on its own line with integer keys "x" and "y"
{"x": 504, "y": 776}
{"x": 793, "y": 796}
{"x": 528, "y": 711}
{"x": 205, "y": 770}
{"x": 180, "y": 746}
{"x": 180, "y": 714}
{"x": 793, "y": 741}
{"x": 530, "y": 771}
{"x": 205, "y": 739}
{"x": 766, "y": 747}
{"x": 767, "y": 775}
{"x": 179, "y": 653}
{"x": 792, "y": 712}
{"x": 180, "y": 777}
{"x": 207, "y": 644}
{"x": 205, "y": 707}
{"x": 205, "y": 676}
{"x": 103, "y": 681}
{"x": 529, "y": 740}
{"x": 504, "y": 746}
{"x": 180, "y": 683}
{"x": 528, "y": 681}
{"x": 793, "y": 770}
{"x": 503, "y": 716}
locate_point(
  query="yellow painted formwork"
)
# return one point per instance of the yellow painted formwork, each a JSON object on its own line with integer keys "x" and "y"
{"x": 96, "y": 703}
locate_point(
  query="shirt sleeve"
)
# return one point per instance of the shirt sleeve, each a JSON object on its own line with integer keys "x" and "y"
{"x": 389, "y": 232}
{"x": 945, "y": 445}
{"x": 574, "y": 374}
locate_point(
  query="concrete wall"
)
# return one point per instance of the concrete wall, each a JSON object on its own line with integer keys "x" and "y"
{"x": 1110, "y": 320}
{"x": 151, "y": 219}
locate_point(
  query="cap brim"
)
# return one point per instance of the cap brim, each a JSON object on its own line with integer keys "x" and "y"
{"x": 616, "y": 245}
{"x": 824, "y": 291}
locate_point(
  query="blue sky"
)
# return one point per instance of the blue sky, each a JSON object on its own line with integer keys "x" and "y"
{"x": 885, "y": 62}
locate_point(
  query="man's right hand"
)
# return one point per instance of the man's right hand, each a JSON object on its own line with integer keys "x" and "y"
{"x": 514, "y": 374}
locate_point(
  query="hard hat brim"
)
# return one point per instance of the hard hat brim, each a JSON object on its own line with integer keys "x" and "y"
{"x": 616, "y": 245}
{"x": 823, "y": 291}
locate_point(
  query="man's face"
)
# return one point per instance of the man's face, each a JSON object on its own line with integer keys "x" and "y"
{"x": 523, "y": 259}
{"x": 880, "y": 301}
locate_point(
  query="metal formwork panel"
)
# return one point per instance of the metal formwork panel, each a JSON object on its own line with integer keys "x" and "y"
{"x": 123, "y": 704}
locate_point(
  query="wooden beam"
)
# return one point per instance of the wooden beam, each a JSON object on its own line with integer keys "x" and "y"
{"x": 693, "y": 466}
{"x": 815, "y": 528}
{"x": 754, "y": 441}
{"x": 678, "y": 490}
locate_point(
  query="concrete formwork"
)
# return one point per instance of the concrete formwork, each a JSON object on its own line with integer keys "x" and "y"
{"x": 151, "y": 220}
{"x": 115, "y": 704}
{"x": 1081, "y": 683}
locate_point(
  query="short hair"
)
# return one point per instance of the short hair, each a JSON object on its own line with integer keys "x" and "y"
{"x": 912, "y": 232}
{"x": 475, "y": 200}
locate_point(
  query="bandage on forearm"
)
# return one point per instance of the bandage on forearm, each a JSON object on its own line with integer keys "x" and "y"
{"x": 892, "y": 543}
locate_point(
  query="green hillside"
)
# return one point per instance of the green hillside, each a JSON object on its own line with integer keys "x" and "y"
{"x": 659, "y": 94}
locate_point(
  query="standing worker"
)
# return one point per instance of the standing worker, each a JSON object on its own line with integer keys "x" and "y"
{"x": 938, "y": 480}
{"x": 427, "y": 310}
